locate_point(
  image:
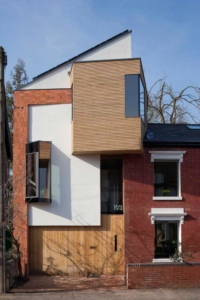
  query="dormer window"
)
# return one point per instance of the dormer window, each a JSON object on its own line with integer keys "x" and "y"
{"x": 38, "y": 172}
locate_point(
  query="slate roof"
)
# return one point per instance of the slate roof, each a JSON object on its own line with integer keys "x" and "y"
{"x": 85, "y": 52}
{"x": 172, "y": 135}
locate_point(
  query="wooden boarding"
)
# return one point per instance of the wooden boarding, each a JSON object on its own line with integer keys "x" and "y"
{"x": 78, "y": 250}
{"x": 99, "y": 122}
{"x": 45, "y": 150}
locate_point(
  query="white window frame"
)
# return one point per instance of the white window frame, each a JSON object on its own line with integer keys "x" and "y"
{"x": 168, "y": 214}
{"x": 165, "y": 156}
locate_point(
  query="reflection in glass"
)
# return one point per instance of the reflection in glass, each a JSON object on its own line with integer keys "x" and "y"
{"x": 166, "y": 178}
{"x": 166, "y": 238}
{"x": 31, "y": 174}
{"x": 43, "y": 178}
{"x": 141, "y": 100}
{"x": 111, "y": 186}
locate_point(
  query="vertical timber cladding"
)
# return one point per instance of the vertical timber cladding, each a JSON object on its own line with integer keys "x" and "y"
{"x": 78, "y": 250}
{"x": 99, "y": 105}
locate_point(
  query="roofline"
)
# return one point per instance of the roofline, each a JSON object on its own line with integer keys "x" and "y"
{"x": 105, "y": 60}
{"x": 85, "y": 52}
{"x": 171, "y": 144}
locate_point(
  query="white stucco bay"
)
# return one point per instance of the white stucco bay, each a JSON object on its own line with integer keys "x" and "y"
{"x": 75, "y": 180}
{"x": 118, "y": 48}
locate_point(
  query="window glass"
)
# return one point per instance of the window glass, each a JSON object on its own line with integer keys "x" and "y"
{"x": 142, "y": 102}
{"x": 166, "y": 238}
{"x": 166, "y": 178}
{"x": 111, "y": 186}
{"x": 43, "y": 178}
{"x": 31, "y": 175}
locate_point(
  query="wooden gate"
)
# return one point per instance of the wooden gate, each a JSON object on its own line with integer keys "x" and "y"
{"x": 78, "y": 250}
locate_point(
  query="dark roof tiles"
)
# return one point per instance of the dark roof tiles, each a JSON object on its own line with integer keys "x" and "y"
{"x": 171, "y": 134}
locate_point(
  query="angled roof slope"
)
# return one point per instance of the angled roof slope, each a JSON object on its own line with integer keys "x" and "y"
{"x": 172, "y": 135}
{"x": 85, "y": 52}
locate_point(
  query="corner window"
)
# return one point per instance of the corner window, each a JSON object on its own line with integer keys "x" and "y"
{"x": 38, "y": 172}
{"x": 32, "y": 175}
{"x": 111, "y": 186}
{"x": 142, "y": 100}
{"x": 134, "y": 96}
{"x": 167, "y": 174}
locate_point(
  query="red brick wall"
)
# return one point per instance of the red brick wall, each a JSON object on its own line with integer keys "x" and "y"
{"x": 22, "y": 99}
{"x": 138, "y": 201}
{"x": 163, "y": 276}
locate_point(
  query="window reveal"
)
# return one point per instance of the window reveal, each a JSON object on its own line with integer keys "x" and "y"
{"x": 166, "y": 238}
{"x": 166, "y": 178}
{"x": 111, "y": 186}
{"x": 38, "y": 172}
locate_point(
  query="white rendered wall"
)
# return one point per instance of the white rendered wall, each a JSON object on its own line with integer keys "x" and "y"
{"x": 75, "y": 180}
{"x": 59, "y": 78}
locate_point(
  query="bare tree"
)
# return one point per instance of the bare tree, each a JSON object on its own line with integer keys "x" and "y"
{"x": 18, "y": 78}
{"x": 14, "y": 215}
{"x": 167, "y": 106}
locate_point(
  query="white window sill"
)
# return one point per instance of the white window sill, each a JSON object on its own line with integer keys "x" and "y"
{"x": 162, "y": 260}
{"x": 167, "y": 198}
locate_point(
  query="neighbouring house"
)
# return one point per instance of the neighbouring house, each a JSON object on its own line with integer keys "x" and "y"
{"x": 8, "y": 147}
{"x": 5, "y": 158}
{"x": 105, "y": 192}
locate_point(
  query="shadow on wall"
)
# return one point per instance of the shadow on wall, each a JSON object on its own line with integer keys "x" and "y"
{"x": 61, "y": 184}
{"x": 60, "y": 187}
{"x": 73, "y": 179}
{"x": 78, "y": 251}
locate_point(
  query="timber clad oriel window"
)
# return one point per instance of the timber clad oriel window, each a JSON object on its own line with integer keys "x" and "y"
{"x": 111, "y": 186}
{"x": 134, "y": 96}
{"x": 38, "y": 172}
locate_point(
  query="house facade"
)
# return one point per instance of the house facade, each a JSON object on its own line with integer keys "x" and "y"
{"x": 101, "y": 194}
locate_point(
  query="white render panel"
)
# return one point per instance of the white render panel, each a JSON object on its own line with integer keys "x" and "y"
{"x": 75, "y": 180}
{"x": 59, "y": 78}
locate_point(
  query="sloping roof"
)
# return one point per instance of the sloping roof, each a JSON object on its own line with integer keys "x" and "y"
{"x": 85, "y": 52}
{"x": 172, "y": 135}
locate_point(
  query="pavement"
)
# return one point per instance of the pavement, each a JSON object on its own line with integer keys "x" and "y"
{"x": 160, "y": 294}
{"x": 93, "y": 288}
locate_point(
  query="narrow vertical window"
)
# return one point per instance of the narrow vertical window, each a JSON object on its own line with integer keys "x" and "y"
{"x": 134, "y": 96}
{"x": 142, "y": 100}
{"x": 38, "y": 172}
{"x": 111, "y": 186}
{"x": 31, "y": 175}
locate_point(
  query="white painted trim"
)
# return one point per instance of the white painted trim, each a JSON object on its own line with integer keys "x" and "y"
{"x": 167, "y": 198}
{"x": 174, "y": 155}
{"x": 169, "y": 155}
{"x": 162, "y": 260}
{"x": 167, "y": 214}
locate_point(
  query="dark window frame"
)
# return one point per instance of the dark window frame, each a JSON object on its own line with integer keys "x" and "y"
{"x": 42, "y": 152}
{"x": 133, "y": 97}
{"x": 166, "y": 184}
{"x": 118, "y": 210}
{"x": 164, "y": 247}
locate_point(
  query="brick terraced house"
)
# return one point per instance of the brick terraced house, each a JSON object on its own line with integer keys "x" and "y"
{"x": 106, "y": 193}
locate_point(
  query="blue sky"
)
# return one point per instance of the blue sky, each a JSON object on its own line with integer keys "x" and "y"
{"x": 44, "y": 33}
